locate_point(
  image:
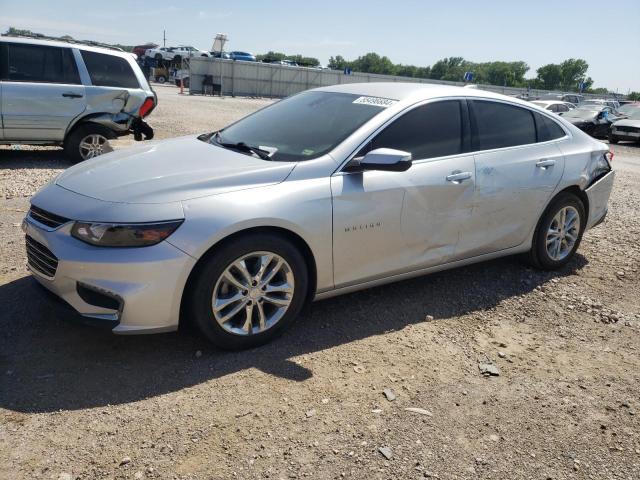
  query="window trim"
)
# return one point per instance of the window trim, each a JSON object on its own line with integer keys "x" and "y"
{"x": 543, "y": 112}
{"x": 466, "y": 133}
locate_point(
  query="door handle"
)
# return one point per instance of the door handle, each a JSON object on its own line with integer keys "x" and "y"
{"x": 72, "y": 95}
{"x": 544, "y": 164}
{"x": 458, "y": 176}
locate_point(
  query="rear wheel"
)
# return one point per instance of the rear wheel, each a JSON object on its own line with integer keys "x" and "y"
{"x": 249, "y": 291}
{"x": 613, "y": 138}
{"x": 87, "y": 141}
{"x": 559, "y": 232}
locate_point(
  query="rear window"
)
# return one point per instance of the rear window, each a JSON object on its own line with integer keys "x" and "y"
{"x": 498, "y": 125}
{"x": 109, "y": 70}
{"x": 40, "y": 64}
{"x": 547, "y": 128}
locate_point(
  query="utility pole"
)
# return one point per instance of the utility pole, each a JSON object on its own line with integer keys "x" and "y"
{"x": 164, "y": 38}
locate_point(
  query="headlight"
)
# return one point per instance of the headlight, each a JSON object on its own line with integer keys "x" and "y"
{"x": 124, "y": 234}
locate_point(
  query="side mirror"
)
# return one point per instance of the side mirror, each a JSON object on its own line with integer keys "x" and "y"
{"x": 386, "y": 159}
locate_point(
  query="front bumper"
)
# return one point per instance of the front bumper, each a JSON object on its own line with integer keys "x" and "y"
{"x": 146, "y": 284}
{"x": 626, "y": 133}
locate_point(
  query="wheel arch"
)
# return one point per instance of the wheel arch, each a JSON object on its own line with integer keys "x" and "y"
{"x": 578, "y": 192}
{"x": 299, "y": 242}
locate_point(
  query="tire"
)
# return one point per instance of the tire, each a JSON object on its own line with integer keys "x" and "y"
{"x": 613, "y": 139}
{"x": 87, "y": 141}
{"x": 561, "y": 251}
{"x": 161, "y": 79}
{"x": 229, "y": 330}
{"x": 158, "y": 57}
{"x": 177, "y": 59}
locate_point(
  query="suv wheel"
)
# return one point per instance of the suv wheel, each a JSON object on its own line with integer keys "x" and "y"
{"x": 161, "y": 79}
{"x": 249, "y": 291}
{"x": 559, "y": 232}
{"x": 87, "y": 141}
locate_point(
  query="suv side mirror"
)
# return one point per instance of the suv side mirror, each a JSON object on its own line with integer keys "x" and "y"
{"x": 387, "y": 159}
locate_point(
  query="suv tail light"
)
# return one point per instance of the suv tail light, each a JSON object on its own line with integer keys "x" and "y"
{"x": 609, "y": 155}
{"x": 148, "y": 105}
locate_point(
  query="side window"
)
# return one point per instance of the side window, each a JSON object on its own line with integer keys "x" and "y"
{"x": 499, "y": 125}
{"x": 41, "y": 64}
{"x": 433, "y": 130}
{"x": 563, "y": 108}
{"x": 109, "y": 70}
{"x": 547, "y": 128}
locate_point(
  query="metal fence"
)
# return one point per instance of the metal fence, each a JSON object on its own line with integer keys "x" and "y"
{"x": 255, "y": 79}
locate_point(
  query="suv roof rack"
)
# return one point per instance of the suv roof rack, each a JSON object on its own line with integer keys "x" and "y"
{"x": 66, "y": 39}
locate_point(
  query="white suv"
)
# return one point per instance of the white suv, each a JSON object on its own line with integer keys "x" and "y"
{"x": 72, "y": 95}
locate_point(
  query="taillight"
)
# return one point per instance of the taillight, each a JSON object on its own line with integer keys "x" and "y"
{"x": 609, "y": 156}
{"x": 146, "y": 107}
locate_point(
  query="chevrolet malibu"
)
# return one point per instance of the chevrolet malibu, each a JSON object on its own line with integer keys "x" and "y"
{"x": 326, "y": 192}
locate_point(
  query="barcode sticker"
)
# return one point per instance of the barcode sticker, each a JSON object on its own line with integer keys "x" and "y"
{"x": 375, "y": 101}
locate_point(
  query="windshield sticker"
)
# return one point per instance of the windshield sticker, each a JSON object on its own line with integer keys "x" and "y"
{"x": 375, "y": 101}
{"x": 307, "y": 152}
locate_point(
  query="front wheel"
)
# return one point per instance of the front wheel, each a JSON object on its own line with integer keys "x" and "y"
{"x": 559, "y": 232}
{"x": 249, "y": 291}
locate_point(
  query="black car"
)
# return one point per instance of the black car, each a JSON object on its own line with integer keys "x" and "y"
{"x": 592, "y": 119}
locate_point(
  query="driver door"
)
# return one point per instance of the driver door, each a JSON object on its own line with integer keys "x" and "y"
{"x": 387, "y": 223}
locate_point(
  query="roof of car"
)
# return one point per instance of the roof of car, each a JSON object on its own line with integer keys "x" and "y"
{"x": 55, "y": 43}
{"x": 550, "y": 102}
{"x": 415, "y": 91}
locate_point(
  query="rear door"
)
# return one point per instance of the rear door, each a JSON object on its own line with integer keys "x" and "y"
{"x": 114, "y": 84}
{"x": 41, "y": 92}
{"x": 395, "y": 222}
{"x": 518, "y": 166}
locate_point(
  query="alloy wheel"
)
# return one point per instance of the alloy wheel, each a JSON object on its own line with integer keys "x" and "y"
{"x": 93, "y": 145}
{"x": 563, "y": 233}
{"x": 253, "y": 293}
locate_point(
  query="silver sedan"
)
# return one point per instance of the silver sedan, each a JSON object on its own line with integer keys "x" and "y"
{"x": 326, "y": 192}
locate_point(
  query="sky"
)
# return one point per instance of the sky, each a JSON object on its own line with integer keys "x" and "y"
{"x": 416, "y": 32}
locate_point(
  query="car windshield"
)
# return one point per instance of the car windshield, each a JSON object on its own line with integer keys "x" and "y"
{"x": 304, "y": 126}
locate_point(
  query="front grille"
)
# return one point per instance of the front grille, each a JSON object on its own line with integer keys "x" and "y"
{"x": 46, "y": 218}
{"x": 626, "y": 129}
{"x": 40, "y": 258}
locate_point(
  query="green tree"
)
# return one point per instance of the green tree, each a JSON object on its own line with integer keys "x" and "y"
{"x": 634, "y": 96}
{"x": 337, "y": 63}
{"x": 573, "y": 71}
{"x": 373, "y": 63}
{"x": 550, "y": 76}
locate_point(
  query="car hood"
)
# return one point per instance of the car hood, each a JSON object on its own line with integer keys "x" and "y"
{"x": 629, "y": 122}
{"x": 170, "y": 171}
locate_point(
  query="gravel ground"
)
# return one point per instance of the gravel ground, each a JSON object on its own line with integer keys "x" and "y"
{"x": 380, "y": 384}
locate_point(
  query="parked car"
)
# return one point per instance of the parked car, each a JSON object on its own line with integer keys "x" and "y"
{"x": 555, "y": 106}
{"x": 244, "y": 56}
{"x": 140, "y": 50}
{"x": 628, "y": 108}
{"x": 286, "y": 63}
{"x": 564, "y": 97}
{"x": 326, "y": 192}
{"x": 72, "y": 95}
{"x": 627, "y": 128}
{"x": 601, "y": 102}
{"x": 592, "y": 119}
{"x": 219, "y": 54}
{"x": 175, "y": 54}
